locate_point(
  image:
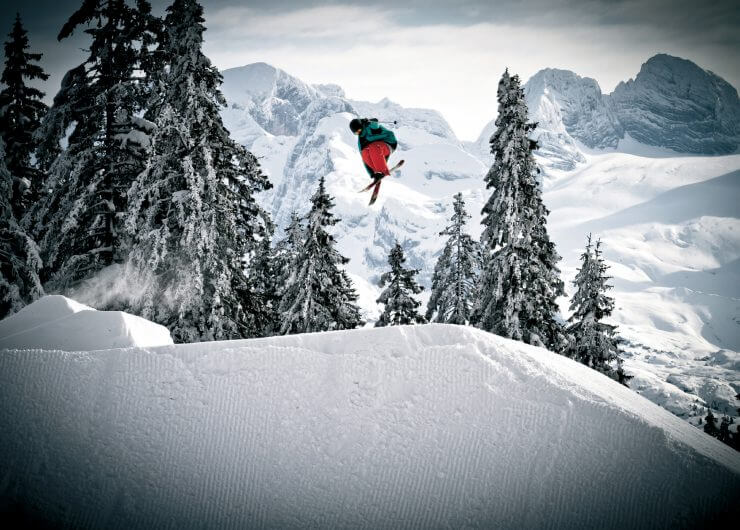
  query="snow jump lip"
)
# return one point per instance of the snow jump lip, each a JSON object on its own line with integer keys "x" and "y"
{"x": 412, "y": 426}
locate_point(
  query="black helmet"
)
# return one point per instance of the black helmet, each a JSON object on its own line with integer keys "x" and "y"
{"x": 355, "y": 125}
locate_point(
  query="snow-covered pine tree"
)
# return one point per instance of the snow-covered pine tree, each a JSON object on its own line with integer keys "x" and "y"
{"x": 398, "y": 296}
{"x": 286, "y": 252}
{"x": 456, "y": 272}
{"x": 262, "y": 299}
{"x": 21, "y": 111}
{"x": 286, "y": 249}
{"x": 192, "y": 212}
{"x": 520, "y": 280}
{"x": 282, "y": 258}
{"x": 318, "y": 294}
{"x": 95, "y": 118}
{"x": 591, "y": 341}
{"x": 19, "y": 256}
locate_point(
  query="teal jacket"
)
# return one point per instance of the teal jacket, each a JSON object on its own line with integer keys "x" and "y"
{"x": 373, "y": 132}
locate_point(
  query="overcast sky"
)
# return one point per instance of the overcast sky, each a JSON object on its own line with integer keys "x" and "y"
{"x": 445, "y": 55}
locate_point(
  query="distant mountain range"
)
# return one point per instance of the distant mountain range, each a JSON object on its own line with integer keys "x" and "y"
{"x": 672, "y": 104}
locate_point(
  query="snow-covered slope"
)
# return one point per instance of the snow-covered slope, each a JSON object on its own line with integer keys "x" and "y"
{"x": 59, "y": 323}
{"x": 427, "y": 426}
{"x": 671, "y": 229}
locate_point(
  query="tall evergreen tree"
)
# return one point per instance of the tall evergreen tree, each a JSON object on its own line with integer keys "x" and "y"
{"x": 398, "y": 296}
{"x": 456, "y": 272}
{"x": 281, "y": 260}
{"x": 96, "y": 114}
{"x": 318, "y": 294}
{"x": 19, "y": 255}
{"x": 591, "y": 341}
{"x": 285, "y": 254}
{"x": 287, "y": 248}
{"x": 520, "y": 280}
{"x": 262, "y": 298}
{"x": 192, "y": 211}
{"x": 21, "y": 111}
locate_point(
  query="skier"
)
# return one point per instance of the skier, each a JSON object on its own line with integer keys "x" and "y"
{"x": 376, "y": 144}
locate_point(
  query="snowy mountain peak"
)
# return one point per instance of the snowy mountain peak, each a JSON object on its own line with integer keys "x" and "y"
{"x": 560, "y": 79}
{"x": 583, "y": 109}
{"x": 566, "y": 107}
{"x": 666, "y": 68}
{"x": 330, "y": 89}
{"x": 275, "y": 99}
{"x": 569, "y": 108}
{"x": 671, "y": 104}
{"x": 253, "y": 79}
{"x": 674, "y": 103}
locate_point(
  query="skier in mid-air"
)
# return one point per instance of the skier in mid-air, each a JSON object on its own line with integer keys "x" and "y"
{"x": 376, "y": 145}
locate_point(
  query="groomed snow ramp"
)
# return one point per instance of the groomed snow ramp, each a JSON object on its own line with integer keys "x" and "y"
{"x": 57, "y": 322}
{"x": 432, "y": 426}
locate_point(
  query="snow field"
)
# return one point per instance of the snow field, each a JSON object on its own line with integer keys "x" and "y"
{"x": 671, "y": 230}
{"x": 422, "y": 426}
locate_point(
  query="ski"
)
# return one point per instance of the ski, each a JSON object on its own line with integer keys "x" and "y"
{"x": 375, "y": 193}
{"x": 374, "y": 182}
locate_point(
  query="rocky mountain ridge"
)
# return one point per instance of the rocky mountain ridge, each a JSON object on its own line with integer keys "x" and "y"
{"x": 671, "y": 104}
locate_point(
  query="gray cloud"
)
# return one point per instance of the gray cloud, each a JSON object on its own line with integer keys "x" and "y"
{"x": 717, "y": 21}
{"x": 604, "y": 39}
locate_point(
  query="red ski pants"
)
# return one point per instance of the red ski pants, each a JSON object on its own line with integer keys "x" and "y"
{"x": 376, "y": 156}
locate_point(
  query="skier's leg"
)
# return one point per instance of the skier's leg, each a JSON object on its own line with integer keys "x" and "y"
{"x": 368, "y": 160}
{"x": 384, "y": 151}
{"x": 375, "y": 156}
